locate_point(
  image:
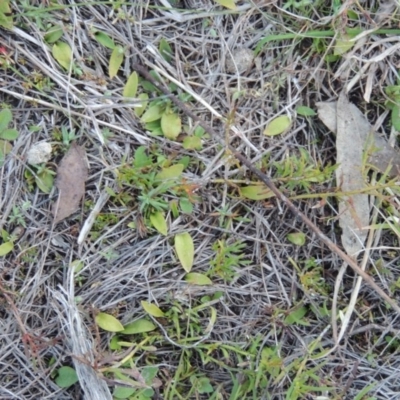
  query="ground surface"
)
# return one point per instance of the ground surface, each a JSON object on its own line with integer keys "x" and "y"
{"x": 259, "y": 326}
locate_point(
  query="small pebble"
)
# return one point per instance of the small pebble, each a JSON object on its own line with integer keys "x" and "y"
{"x": 242, "y": 60}
{"x": 39, "y": 153}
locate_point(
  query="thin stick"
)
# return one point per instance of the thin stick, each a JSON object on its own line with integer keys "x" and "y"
{"x": 268, "y": 182}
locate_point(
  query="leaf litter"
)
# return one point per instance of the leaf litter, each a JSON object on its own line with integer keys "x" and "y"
{"x": 71, "y": 176}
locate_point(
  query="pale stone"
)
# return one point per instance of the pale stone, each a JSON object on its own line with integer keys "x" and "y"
{"x": 39, "y": 153}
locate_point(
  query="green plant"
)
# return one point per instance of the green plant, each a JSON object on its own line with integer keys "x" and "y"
{"x": 228, "y": 259}
{"x": 311, "y": 277}
{"x": 41, "y": 176}
{"x": 393, "y": 104}
{"x": 299, "y": 172}
{"x": 6, "y": 134}
{"x": 154, "y": 184}
{"x": 6, "y": 20}
{"x": 17, "y": 214}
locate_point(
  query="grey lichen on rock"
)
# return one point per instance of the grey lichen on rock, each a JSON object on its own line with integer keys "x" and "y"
{"x": 240, "y": 61}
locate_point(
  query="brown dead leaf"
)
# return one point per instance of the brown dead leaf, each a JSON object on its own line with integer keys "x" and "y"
{"x": 382, "y": 156}
{"x": 71, "y": 176}
{"x": 351, "y": 140}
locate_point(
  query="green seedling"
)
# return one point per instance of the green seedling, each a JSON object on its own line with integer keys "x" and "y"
{"x": 301, "y": 173}
{"x": 161, "y": 117}
{"x": 228, "y": 260}
{"x": 393, "y": 104}
{"x": 40, "y": 176}
{"x": 6, "y": 134}
{"x": 7, "y": 245}
{"x": 159, "y": 186}
{"x": 6, "y": 19}
{"x": 17, "y": 214}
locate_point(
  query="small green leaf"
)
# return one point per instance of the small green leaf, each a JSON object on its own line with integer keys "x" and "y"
{"x": 185, "y": 205}
{"x": 104, "y": 40}
{"x": 184, "y": 248}
{"x": 296, "y": 316}
{"x": 230, "y": 4}
{"x": 343, "y": 45}
{"x": 63, "y": 54}
{"x": 396, "y": 117}
{"x": 123, "y": 392}
{"x": 256, "y": 192}
{"x": 159, "y": 222}
{"x": 198, "y": 279}
{"x": 299, "y": 238}
{"x": 5, "y": 148}
{"x": 277, "y": 126}
{"x": 108, "y": 323}
{"x": 202, "y": 384}
{"x": 53, "y": 34}
{"x": 131, "y": 86}
{"x": 117, "y": 56}
{"x": 173, "y": 206}
{"x": 141, "y": 158}
{"x": 77, "y": 266}
{"x": 6, "y": 248}
{"x": 192, "y": 143}
{"x": 171, "y": 125}
{"x": 305, "y": 111}
{"x": 139, "y": 326}
{"x": 5, "y": 118}
{"x": 152, "y": 309}
{"x": 143, "y": 104}
{"x": 165, "y": 50}
{"x": 153, "y": 113}
{"x": 66, "y": 377}
{"x": 9, "y": 134}
{"x": 169, "y": 173}
{"x": 45, "y": 181}
{"x": 6, "y": 20}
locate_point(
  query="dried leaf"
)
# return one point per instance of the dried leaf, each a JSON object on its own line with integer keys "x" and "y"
{"x": 71, "y": 176}
{"x": 383, "y": 157}
{"x": 354, "y": 209}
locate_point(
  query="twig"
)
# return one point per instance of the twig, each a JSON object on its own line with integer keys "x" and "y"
{"x": 268, "y": 182}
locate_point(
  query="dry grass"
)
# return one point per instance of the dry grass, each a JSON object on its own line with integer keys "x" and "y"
{"x": 43, "y": 326}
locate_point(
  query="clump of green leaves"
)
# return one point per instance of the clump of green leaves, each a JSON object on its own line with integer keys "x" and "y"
{"x": 6, "y": 134}
{"x": 301, "y": 172}
{"x": 40, "y": 176}
{"x": 155, "y": 185}
{"x": 228, "y": 259}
